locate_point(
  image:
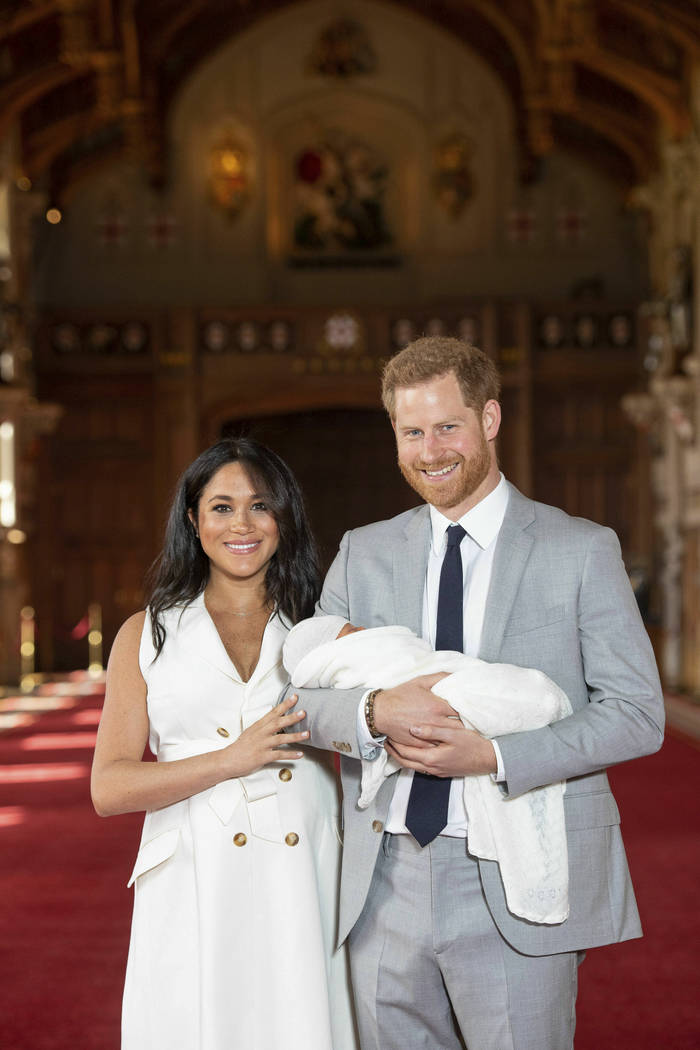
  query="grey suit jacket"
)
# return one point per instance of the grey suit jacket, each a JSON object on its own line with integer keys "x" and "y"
{"x": 559, "y": 600}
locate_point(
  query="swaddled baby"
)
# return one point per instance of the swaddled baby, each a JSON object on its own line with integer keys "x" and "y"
{"x": 525, "y": 835}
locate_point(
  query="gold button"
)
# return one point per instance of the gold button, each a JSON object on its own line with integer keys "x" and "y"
{"x": 292, "y": 838}
{"x": 377, "y": 825}
{"x": 239, "y": 839}
{"x": 285, "y": 774}
{"x": 223, "y": 732}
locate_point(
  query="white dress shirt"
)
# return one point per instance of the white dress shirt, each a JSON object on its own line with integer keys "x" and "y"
{"x": 482, "y": 524}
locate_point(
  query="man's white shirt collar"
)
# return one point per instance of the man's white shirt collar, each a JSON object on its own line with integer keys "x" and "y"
{"x": 482, "y": 522}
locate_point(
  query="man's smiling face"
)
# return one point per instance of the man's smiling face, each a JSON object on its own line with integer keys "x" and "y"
{"x": 445, "y": 449}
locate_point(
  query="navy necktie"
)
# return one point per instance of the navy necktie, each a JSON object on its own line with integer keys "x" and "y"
{"x": 426, "y": 813}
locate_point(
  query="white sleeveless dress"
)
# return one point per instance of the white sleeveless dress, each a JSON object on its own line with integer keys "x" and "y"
{"x": 236, "y": 888}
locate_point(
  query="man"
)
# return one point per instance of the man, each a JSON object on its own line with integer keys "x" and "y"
{"x": 437, "y": 958}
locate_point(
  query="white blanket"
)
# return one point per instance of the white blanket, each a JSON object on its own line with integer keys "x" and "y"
{"x": 525, "y": 835}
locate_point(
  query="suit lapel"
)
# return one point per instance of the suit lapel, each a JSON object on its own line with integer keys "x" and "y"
{"x": 513, "y": 548}
{"x": 410, "y": 561}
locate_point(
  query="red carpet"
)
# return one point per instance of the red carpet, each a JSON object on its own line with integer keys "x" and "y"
{"x": 65, "y": 910}
{"x": 643, "y": 994}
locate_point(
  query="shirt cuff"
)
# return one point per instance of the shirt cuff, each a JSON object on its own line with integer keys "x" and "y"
{"x": 369, "y": 745}
{"x": 499, "y": 776}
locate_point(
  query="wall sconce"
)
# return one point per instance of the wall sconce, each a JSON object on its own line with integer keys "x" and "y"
{"x": 229, "y": 176}
{"x": 453, "y": 183}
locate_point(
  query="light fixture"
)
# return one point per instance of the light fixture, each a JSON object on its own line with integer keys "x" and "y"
{"x": 229, "y": 175}
{"x": 8, "y": 508}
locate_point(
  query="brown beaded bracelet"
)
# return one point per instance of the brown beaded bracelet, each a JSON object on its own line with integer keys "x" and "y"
{"x": 369, "y": 713}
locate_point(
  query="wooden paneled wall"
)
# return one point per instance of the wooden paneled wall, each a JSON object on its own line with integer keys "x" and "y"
{"x": 97, "y": 511}
{"x": 144, "y": 394}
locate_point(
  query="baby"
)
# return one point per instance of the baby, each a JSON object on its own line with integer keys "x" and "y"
{"x": 525, "y": 835}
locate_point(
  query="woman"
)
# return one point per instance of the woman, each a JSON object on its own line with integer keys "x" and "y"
{"x": 236, "y": 878}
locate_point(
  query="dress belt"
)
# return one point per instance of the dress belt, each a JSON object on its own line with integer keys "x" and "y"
{"x": 257, "y": 790}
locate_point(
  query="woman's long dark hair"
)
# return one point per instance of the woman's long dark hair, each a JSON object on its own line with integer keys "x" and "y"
{"x": 181, "y": 571}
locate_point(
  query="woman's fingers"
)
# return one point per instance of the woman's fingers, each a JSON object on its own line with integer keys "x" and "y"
{"x": 292, "y": 718}
{"x": 280, "y": 717}
{"x": 285, "y": 706}
{"x": 259, "y": 744}
{"x": 293, "y": 738}
{"x": 280, "y": 724}
{"x": 281, "y": 754}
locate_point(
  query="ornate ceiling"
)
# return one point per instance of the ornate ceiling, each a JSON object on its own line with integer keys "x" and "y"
{"x": 84, "y": 81}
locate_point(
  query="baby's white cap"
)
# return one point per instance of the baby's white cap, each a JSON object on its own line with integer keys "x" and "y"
{"x": 308, "y": 635}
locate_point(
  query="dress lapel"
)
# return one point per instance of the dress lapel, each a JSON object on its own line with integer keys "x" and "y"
{"x": 410, "y": 561}
{"x": 270, "y": 657}
{"x": 513, "y": 548}
{"x": 197, "y": 632}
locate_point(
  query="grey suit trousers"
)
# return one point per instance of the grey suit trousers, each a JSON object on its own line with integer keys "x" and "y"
{"x": 429, "y": 963}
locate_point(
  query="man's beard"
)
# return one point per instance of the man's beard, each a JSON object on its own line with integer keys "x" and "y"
{"x": 470, "y": 473}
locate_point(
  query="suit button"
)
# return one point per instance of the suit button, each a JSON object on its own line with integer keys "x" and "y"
{"x": 285, "y": 774}
{"x": 223, "y": 732}
{"x": 239, "y": 839}
{"x": 292, "y": 838}
{"x": 377, "y": 826}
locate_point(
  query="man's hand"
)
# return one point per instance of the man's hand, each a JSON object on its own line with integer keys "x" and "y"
{"x": 445, "y": 751}
{"x": 411, "y": 704}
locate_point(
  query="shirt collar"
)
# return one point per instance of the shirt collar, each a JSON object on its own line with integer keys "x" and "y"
{"x": 483, "y": 522}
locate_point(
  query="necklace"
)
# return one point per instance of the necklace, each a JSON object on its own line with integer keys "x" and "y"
{"x": 223, "y": 609}
{"x": 248, "y": 612}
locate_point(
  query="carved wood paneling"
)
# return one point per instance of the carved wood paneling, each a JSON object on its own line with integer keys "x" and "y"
{"x": 585, "y": 450}
{"x": 97, "y": 518}
{"x": 133, "y": 420}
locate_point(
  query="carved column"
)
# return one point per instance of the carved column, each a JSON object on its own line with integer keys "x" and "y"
{"x": 23, "y": 421}
{"x": 670, "y": 410}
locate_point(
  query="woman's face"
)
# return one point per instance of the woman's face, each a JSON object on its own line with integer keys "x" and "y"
{"x": 237, "y": 531}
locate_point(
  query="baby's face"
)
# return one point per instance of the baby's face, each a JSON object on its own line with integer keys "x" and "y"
{"x": 348, "y": 629}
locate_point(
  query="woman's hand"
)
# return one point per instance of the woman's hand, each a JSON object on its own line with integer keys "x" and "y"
{"x": 123, "y": 783}
{"x": 262, "y": 743}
